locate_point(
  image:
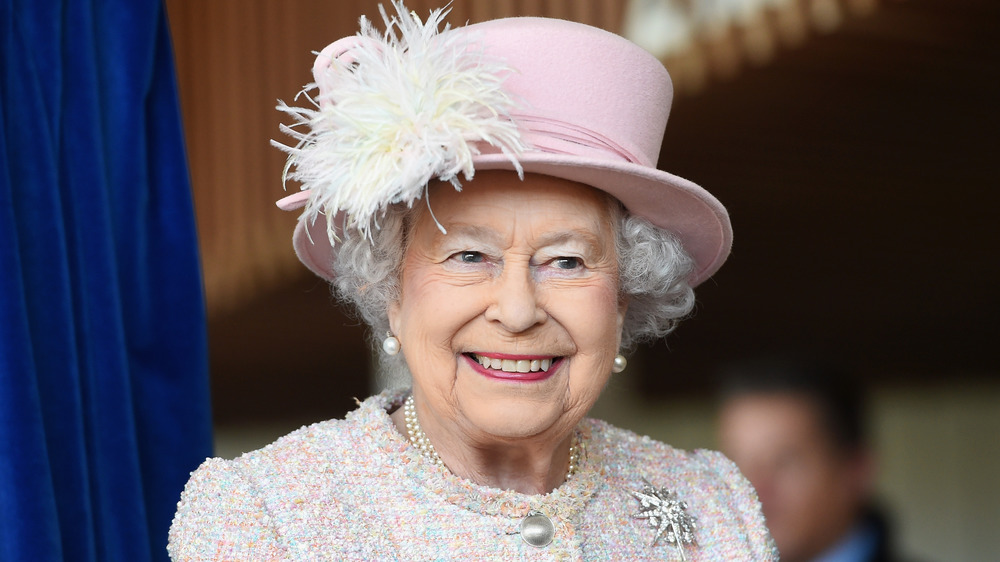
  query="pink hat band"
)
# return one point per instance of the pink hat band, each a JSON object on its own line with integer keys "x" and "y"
{"x": 592, "y": 107}
{"x": 560, "y": 137}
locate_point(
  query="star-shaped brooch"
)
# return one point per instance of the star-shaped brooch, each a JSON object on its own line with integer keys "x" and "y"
{"x": 668, "y": 515}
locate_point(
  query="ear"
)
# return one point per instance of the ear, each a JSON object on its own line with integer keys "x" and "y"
{"x": 393, "y": 313}
{"x": 864, "y": 470}
{"x": 622, "y": 311}
{"x": 856, "y": 471}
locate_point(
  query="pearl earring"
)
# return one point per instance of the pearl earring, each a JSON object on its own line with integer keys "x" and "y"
{"x": 619, "y": 363}
{"x": 390, "y": 345}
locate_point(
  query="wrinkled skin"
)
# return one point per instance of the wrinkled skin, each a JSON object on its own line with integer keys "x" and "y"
{"x": 527, "y": 270}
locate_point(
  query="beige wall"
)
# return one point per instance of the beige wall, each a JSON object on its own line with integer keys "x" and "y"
{"x": 940, "y": 460}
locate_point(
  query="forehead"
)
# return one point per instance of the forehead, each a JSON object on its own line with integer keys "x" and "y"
{"x": 773, "y": 417}
{"x": 542, "y": 203}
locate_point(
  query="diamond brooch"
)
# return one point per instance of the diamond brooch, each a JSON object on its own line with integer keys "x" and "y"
{"x": 668, "y": 515}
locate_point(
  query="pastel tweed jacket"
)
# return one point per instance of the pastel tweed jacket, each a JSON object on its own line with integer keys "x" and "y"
{"x": 355, "y": 489}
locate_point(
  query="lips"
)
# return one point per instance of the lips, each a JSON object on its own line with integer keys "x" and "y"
{"x": 514, "y": 367}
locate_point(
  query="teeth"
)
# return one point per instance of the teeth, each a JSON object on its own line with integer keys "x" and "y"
{"x": 514, "y": 365}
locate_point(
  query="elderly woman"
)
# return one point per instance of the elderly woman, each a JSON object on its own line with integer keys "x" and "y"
{"x": 486, "y": 197}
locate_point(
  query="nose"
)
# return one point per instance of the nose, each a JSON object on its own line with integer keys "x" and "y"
{"x": 515, "y": 303}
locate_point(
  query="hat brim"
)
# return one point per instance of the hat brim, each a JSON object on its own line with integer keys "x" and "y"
{"x": 670, "y": 202}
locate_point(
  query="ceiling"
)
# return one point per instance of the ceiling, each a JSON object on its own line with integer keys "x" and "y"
{"x": 860, "y": 174}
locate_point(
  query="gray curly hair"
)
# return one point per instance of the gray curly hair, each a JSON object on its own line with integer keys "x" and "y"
{"x": 653, "y": 270}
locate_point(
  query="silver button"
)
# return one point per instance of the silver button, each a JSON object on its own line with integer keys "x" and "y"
{"x": 537, "y": 529}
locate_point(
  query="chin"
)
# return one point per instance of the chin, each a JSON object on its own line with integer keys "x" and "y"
{"x": 516, "y": 417}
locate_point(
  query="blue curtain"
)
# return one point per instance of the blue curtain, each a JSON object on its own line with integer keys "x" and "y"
{"x": 103, "y": 369}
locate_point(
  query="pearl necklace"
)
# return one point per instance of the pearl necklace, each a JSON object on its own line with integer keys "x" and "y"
{"x": 421, "y": 442}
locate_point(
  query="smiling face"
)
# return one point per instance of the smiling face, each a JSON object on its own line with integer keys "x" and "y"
{"x": 510, "y": 322}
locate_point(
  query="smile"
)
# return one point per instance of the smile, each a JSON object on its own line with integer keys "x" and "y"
{"x": 514, "y": 364}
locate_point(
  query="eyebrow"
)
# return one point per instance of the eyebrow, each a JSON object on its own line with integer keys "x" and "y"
{"x": 467, "y": 230}
{"x": 570, "y": 235}
{"x": 491, "y": 235}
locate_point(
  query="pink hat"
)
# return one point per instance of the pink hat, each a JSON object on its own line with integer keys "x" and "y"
{"x": 588, "y": 106}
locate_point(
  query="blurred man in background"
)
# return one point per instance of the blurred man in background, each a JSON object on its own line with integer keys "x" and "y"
{"x": 797, "y": 432}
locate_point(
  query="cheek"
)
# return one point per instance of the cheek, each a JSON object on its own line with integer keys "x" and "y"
{"x": 431, "y": 311}
{"x": 803, "y": 487}
{"x": 592, "y": 316}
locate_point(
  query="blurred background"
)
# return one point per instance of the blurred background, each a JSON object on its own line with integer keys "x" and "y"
{"x": 854, "y": 143}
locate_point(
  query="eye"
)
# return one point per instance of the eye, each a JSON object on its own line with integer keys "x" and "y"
{"x": 566, "y": 262}
{"x": 469, "y": 257}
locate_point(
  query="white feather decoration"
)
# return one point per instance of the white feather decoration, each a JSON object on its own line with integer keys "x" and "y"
{"x": 398, "y": 110}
